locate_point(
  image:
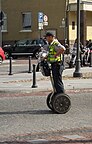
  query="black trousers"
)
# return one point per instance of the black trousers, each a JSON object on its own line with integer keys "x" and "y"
{"x": 57, "y": 69}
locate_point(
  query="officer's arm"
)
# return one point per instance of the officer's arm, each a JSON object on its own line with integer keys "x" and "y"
{"x": 60, "y": 50}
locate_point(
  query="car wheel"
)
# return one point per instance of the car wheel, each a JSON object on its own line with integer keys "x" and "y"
{"x": 6, "y": 54}
{"x": 1, "y": 60}
{"x": 36, "y": 55}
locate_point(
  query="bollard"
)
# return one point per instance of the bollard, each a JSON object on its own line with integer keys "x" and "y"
{"x": 10, "y": 67}
{"x": 90, "y": 58}
{"x": 30, "y": 69}
{"x": 34, "y": 76}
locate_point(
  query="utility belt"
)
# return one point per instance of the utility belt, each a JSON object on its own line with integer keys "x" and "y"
{"x": 57, "y": 62}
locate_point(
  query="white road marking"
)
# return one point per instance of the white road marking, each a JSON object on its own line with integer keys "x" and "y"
{"x": 38, "y": 141}
{"x": 73, "y": 137}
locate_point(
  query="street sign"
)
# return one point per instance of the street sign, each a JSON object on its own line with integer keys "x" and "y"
{"x": 45, "y": 20}
{"x": 40, "y": 25}
{"x": 45, "y": 23}
{"x": 40, "y": 20}
{"x": 40, "y": 17}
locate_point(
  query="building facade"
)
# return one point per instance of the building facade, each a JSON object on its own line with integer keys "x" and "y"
{"x": 21, "y": 18}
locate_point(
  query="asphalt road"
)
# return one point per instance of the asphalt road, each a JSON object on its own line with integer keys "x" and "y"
{"x": 27, "y": 118}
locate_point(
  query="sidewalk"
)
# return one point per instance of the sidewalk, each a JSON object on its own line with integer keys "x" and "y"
{"x": 22, "y": 82}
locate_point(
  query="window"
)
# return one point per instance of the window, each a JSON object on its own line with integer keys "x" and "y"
{"x": 4, "y": 26}
{"x": 73, "y": 25}
{"x": 34, "y": 42}
{"x": 26, "y": 21}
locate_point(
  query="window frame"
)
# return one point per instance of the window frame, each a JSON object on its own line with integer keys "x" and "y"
{"x": 26, "y": 28}
{"x": 4, "y": 27}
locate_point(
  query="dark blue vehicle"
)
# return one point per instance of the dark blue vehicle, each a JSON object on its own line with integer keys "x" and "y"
{"x": 24, "y": 47}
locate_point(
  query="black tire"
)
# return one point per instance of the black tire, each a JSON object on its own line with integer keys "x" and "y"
{"x": 1, "y": 60}
{"x": 49, "y": 101}
{"x": 61, "y": 103}
{"x": 7, "y": 54}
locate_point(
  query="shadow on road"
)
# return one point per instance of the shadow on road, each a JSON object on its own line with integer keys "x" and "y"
{"x": 33, "y": 112}
{"x": 51, "y": 142}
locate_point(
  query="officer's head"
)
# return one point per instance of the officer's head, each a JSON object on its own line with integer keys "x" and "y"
{"x": 49, "y": 37}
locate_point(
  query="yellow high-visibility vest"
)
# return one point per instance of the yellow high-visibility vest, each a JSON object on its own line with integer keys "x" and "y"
{"x": 52, "y": 52}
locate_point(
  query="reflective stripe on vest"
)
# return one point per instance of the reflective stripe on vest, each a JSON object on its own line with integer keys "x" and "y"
{"x": 52, "y": 52}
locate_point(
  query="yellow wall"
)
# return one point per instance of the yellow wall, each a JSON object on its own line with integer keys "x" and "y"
{"x": 89, "y": 25}
{"x": 72, "y": 33}
{"x": 74, "y": 1}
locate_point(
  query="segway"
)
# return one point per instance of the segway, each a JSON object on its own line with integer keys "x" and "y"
{"x": 58, "y": 103}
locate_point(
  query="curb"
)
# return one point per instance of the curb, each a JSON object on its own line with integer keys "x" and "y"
{"x": 42, "y": 92}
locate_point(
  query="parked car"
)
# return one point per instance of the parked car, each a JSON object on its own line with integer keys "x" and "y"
{"x": 23, "y": 47}
{"x": 2, "y": 55}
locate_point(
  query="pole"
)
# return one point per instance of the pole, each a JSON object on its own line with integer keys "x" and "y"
{"x": 10, "y": 67}
{"x": 30, "y": 69}
{"x": 66, "y": 21}
{"x": 34, "y": 76}
{"x": 77, "y": 72}
{"x": 40, "y": 33}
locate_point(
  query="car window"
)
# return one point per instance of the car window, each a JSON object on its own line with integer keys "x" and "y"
{"x": 29, "y": 42}
{"x": 21, "y": 43}
{"x": 34, "y": 42}
{"x": 41, "y": 42}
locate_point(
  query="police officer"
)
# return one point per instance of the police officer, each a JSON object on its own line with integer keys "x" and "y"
{"x": 56, "y": 50}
